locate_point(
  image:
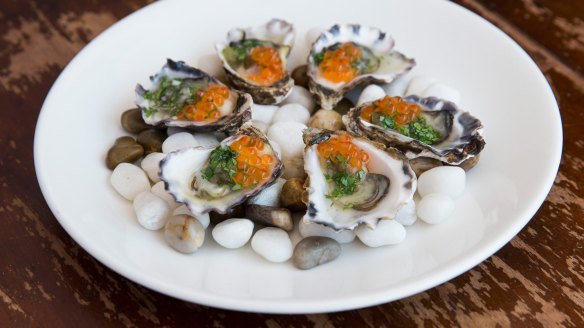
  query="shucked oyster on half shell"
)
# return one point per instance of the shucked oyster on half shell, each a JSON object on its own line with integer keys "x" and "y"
{"x": 187, "y": 97}
{"x": 219, "y": 178}
{"x": 419, "y": 127}
{"x": 353, "y": 180}
{"x": 347, "y": 56}
{"x": 255, "y": 60}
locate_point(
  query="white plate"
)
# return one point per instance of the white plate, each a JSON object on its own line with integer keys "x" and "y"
{"x": 498, "y": 81}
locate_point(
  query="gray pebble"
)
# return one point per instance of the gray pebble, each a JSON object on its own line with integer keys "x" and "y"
{"x": 132, "y": 121}
{"x": 151, "y": 140}
{"x": 270, "y": 216}
{"x": 314, "y": 251}
{"x": 124, "y": 150}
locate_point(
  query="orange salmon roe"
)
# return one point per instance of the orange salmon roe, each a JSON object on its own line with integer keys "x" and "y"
{"x": 270, "y": 68}
{"x": 337, "y": 65}
{"x": 395, "y": 107}
{"x": 341, "y": 148}
{"x": 253, "y": 167}
{"x": 207, "y": 107}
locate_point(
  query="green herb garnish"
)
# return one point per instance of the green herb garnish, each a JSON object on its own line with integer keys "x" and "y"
{"x": 173, "y": 95}
{"x": 238, "y": 52}
{"x": 149, "y": 111}
{"x": 345, "y": 183}
{"x": 221, "y": 167}
{"x": 419, "y": 129}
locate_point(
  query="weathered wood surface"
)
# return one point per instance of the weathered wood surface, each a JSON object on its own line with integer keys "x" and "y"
{"x": 46, "y": 279}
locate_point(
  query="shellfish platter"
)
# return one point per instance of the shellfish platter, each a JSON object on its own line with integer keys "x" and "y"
{"x": 289, "y": 162}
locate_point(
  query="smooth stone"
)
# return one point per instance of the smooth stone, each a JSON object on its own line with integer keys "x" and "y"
{"x": 151, "y": 210}
{"x": 271, "y": 216}
{"x": 442, "y": 91}
{"x": 179, "y": 141}
{"x": 407, "y": 214}
{"x": 292, "y": 113}
{"x": 313, "y": 251}
{"x": 233, "y": 233}
{"x": 206, "y": 139}
{"x": 151, "y": 140}
{"x": 237, "y": 211}
{"x": 293, "y": 168}
{"x": 290, "y": 135}
{"x": 204, "y": 219}
{"x": 423, "y": 164}
{"x": 326, "y": 119}
{"x": 301, "y": 96}
{"x": 292, "y": 195}
{"x": 124, "y": 150}
{"x": 133, "y": 122}
{"x": 151, "y": 165}
{"x": 129, "y": 180}
{"x": 387, "y": 232}
{"x": 184, "y": 233}
{"x": 343, "y": 106}
{"x": 263, "y": 113}
{"x": 418, "y": 84}
{"x": 447, "y": 180}
{"x": 300, "y": 77}
{"x": 273, "y": 244}
{"x": 371, "y": 93}
{"x": 159, "y": 190}
{"x": 308, "y": 229}
{"x": 435, "y": 208}
{"x": 269, "y": 196}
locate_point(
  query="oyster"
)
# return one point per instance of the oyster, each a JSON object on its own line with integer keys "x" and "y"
{"x": 219, "y": 178}
{"x": 347, "y": 56}
{"x": 184, "y": 96}
{"x": 255, "y": 60}
{"x": 428, "y": 128}
{"x": 353, "y": 180}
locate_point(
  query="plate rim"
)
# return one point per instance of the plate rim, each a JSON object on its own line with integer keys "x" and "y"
{"x": 445, "y": 272}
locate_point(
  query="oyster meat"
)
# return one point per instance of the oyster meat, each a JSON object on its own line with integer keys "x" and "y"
{"x": 219, "y": 178}
{"x": 428, "y": 128}
{"x": 353, "y": 180}
{"x": 184, "y": 96}
{"x": 255, "y": 60}
{"x": 347, "y": 56}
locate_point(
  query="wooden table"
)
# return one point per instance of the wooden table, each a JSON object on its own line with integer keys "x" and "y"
{"x": 46, "y": 279}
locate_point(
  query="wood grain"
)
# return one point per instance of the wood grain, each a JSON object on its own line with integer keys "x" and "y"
{"x": 46, "y": 279}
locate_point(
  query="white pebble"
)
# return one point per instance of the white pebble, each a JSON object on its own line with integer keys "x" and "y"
{"x": 184, "y": 233}
{"x": 203, "y": 219}
{"x": 387, "y": 232}
{"x": 289, "y": 134}
{"x": 397, "y": 87}
{"x": 442, "y": 91}
{"x": 262, "y": 126}
{"x": 269, "y": 196}
{"x": 435, "y": 208}
{"x": 178, "y": 141}
{"x": 159, "y": 190}
{"x": 151, "y": 210}
{"x": 151, "y": 165}
{"x": 370, "y": 93}
{"x": 309, "y": 229}
{"x": 276, "y": 147}
{"x": 313, "y": 34}
{"x": 273, "y": 244}
{"x": 407, "y": 214}
{"x": 447, "y": 180}
{"x": 292, "y": 113}
{"x": 418, "y": 84}
{"x": 129, "y": 180}
{"x": 293, "y": 168}
{"x": 174, "y": 130}
{"x": 301, "y": 96}
{"x": 233, "y": 233}
{"x": 206, "y": 139}
{"x": 263, "y": 113}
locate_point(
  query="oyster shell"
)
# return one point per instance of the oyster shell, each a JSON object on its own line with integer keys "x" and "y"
{"x": 459, "y": 135}
{"x": 341, "y": 198}
{"x": 210, "y": 178}
{"x": 368, "y": 57}
{"x": 176, "y": 91}
{"x": 247, "y": 55}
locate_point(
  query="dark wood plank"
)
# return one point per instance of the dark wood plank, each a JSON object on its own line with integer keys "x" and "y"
{"x": 46, "y": 279}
